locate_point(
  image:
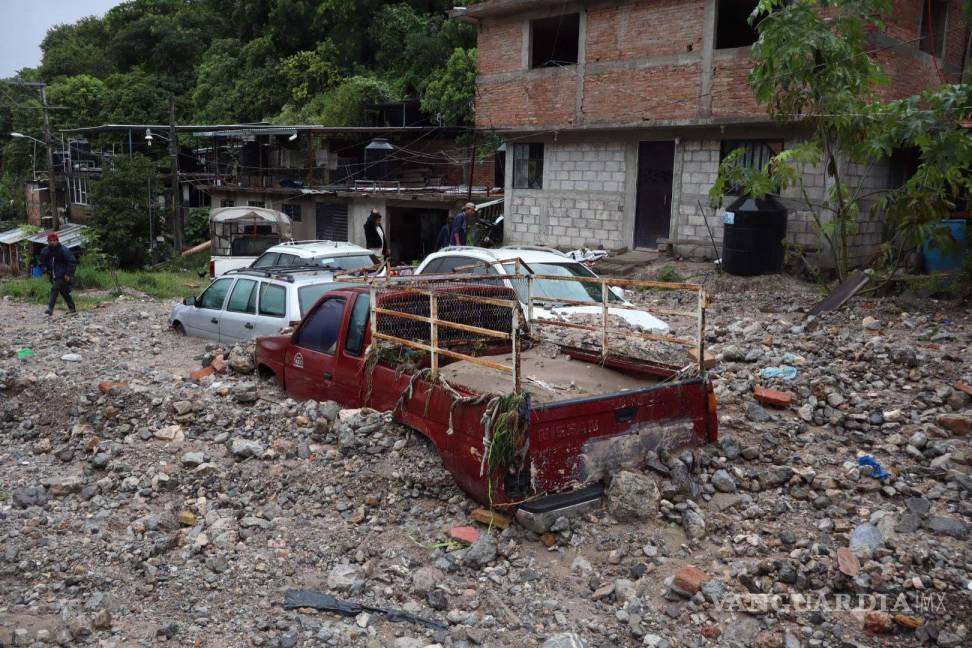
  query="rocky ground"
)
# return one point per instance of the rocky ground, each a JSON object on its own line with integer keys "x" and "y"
{"x": 142, "y": 507}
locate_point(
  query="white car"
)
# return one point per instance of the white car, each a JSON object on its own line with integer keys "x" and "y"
{"x": 335, "y": 256}
{"x": 244, "y": 304}
{"x": 544, "y": 262}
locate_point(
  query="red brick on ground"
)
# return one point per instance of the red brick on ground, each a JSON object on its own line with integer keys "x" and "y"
{"x": 689, "y": 579}
{"x": 108, "y": 385}
{"x": 466, "y": 534}
{"x": 710, "y": 360}
{"x": 956, "y": 424}
{"x": 773, "y": 397}
{"x": 877, "y": 622}
{"x": 962, "y": 387}
{"x": 201, "y": 373}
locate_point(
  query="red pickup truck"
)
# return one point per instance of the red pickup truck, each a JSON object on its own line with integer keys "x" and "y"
{"x": 583, "y": 417}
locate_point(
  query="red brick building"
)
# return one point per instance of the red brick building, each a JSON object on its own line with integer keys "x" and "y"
{"x": 617, "y": 112}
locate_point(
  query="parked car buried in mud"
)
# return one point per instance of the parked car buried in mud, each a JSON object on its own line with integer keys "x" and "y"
{"x": 440, "y": 358}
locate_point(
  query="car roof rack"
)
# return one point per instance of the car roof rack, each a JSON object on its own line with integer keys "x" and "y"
{"x": 282, "y": 273}
{"x": 317, "y": 241}
{"x": 534, "y": 248}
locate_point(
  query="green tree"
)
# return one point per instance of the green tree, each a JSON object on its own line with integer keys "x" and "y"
{"x": 120, "y": 203}
{"x": 311, "y": 72}
{"x": 135, "y": 97}
{"x": 82, "y": 96}
{"x": 78, "y": 48}
{"x": 342, "y": 106}
{"x": 451, "y": 94}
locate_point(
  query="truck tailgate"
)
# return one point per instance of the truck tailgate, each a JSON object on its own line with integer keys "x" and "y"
{"x": 581, "y": 441}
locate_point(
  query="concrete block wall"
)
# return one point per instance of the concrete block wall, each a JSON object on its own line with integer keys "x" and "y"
{"x": 582, "y": 201}
{"x": 697, "y": 166}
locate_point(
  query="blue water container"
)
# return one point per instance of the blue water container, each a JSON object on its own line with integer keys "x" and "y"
{"x": 37, "y": 271}
{"x": 938, "y": 259}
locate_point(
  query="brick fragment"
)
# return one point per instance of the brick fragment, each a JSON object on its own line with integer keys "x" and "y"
{"x": 202, "y": 372}
{"x": 773, "y": 397}
{"x": 466, "y": 534}
{"x": 689, "y": 579}
{"x": 491, "y": 518}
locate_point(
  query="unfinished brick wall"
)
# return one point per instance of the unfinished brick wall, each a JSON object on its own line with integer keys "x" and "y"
{"x": 545, "y": 99}
{"x": 499, "y": 47}
{"x": 644, "y": 29}
{"x": 643, "y": 61}
{"x": 663, "y": 92}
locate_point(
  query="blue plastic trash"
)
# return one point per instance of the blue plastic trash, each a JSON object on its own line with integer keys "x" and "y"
{"x": 877, "y": 471}
{"x": 786, "y": 372}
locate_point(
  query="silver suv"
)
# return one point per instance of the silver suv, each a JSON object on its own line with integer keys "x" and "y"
{"x": 243, "y": 304}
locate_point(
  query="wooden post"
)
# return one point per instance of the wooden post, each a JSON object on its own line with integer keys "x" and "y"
{"x": 604, "y": 320}
{"x": 374, "y": 314}
{"x": 434, "y": 333}
{"x": 516, "y": 351}
{"x": 529, "y": 280}
{"x": 51, "y": 185}
{"x": 701, "y": 330}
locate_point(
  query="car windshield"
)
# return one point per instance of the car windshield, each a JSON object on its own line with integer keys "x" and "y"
{"x": 307, "y": 296}
{"x": 554, "y": 289}
{"x": 351, "y": 262}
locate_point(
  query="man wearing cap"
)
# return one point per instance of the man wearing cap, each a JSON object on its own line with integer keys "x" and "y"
{"x": 457, "y": 235}
{"x": 59, "y": 264}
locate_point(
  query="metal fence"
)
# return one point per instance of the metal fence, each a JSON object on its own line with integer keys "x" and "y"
{"x": 482, "y": 316}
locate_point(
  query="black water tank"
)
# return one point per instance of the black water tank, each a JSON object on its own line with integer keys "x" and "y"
{"x": 752, "y": 236}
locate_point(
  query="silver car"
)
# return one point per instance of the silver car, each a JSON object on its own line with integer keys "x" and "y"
{"x": 244, "y": 304}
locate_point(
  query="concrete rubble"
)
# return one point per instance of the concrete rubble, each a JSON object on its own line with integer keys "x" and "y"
{"x": 142, "y": 507}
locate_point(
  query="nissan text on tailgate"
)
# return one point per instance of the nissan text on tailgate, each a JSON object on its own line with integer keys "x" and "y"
{"x": 526, "y": 414}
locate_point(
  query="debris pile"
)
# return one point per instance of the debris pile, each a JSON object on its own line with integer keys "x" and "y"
{"x": 141, "y": 502}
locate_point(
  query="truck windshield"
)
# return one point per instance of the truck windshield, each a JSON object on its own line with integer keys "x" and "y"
{"x": 351, "y": 262}
{"x": 252, "y": 245}
{"x": 554, "y": 289}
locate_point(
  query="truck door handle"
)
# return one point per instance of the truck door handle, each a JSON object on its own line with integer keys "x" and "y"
{"x": 248, "y": 325}
{"x": 625, "y": 414}
{"x": 214, "y": 321}
{"x": 328, "y": 375}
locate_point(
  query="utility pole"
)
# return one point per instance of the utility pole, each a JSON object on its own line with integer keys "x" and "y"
{"x": 472, "y": 167}
{"x": 174, "y": 153}
{"x": 51, "y": 186}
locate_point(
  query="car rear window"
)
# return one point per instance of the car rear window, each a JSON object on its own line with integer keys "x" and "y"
{"x": 350, "y": 262}
{"x": 273, "y": 300}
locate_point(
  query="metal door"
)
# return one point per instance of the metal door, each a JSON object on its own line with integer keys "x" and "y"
{"x": 332, "y": 221}
{"x": 653, "y": 212}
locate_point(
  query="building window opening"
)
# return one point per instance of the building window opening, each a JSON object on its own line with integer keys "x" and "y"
{"x": 293, "y": 212}
{"x": 555, "y": 41}
{"x": 528, "y": 166}
{"x": 932, "y": 35}
{"x": 757, "y": 154}
{"x": 732, "y": 26}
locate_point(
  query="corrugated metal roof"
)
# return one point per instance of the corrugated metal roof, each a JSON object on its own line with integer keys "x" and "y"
{"x": 70, "y": 236}
{"x": 12, "y": 236}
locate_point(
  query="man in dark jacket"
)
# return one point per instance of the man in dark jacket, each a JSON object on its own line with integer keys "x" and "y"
{"x": 375, "y": 235}
{"x": 59, "y": 264}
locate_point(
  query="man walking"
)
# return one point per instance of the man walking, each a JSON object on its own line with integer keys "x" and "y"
{"x": 59, "y": 264}
{"x": 457, "y": 234}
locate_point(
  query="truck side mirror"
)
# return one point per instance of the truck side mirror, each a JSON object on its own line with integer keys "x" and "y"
{"x": 189, "y": 301}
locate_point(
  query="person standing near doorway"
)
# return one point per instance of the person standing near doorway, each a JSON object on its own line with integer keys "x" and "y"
{"x": 457, "y": 234}
{"x": 375, "y": 235}
{"x": 59, "y": 264}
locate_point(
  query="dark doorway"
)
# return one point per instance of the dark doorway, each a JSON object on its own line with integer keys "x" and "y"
{"x": 653, "y": 211}
{"x": 332, "y": 221}
{"x": 412, "y": 232}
